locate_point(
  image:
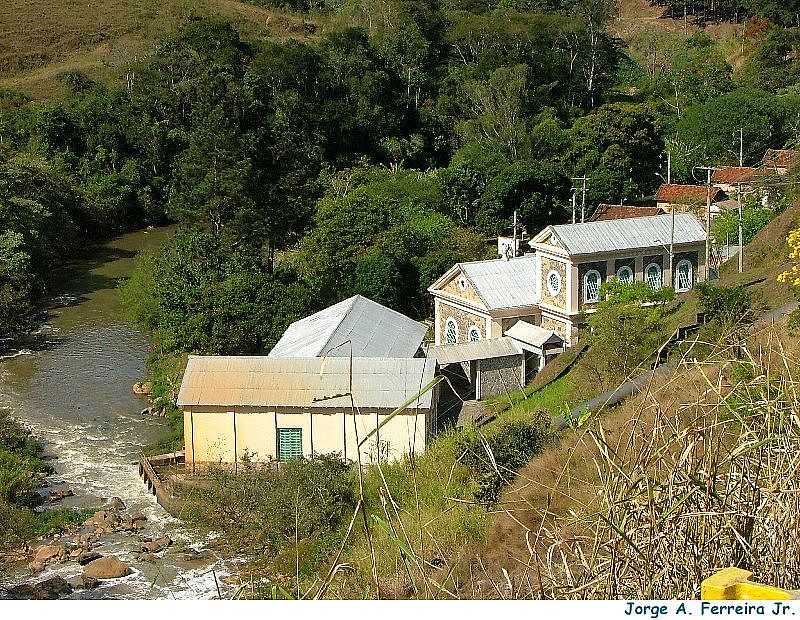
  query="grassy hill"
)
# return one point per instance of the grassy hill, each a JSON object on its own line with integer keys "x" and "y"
{"x": 102, "y": 37}
{"x": 640, "y": 501}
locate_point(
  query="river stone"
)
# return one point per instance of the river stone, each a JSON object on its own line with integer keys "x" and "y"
{"x": 106, "y": 568}
{"x": 157, "y": 545}
{"x": 143, "y": 389}
{"x": 116, "y": 504}
{"x": 47, "y": 553}
{"x": 88, "y": 556}
{"x": 49, "y": 589}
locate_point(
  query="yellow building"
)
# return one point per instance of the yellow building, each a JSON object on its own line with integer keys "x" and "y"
{"x": 264, "y": 409}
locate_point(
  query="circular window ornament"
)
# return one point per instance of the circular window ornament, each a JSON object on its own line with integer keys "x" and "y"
{"x": 554, "y": 282}
{"x": 625, "y": 275}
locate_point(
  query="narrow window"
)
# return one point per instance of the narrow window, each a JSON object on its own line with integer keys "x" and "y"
{"x": 591, "y": 287}
{"x": 290, "y": 443}
{"x": 625, "y": 275}
{"x": 683, "y": 276}
{"x": 450, "y": 331}
{"x": 653, "y": 276}
{"x": 474, "y": 334}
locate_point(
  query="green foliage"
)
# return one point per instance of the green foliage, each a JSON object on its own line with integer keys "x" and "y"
{"x": 197, "y": 294}
{"x": 495, "y": 457}
{"x": 727, "y": 306}
{"x": 725, "y": 228}
{"x": 628, "y": 326}
{"x": 265, "y": 510}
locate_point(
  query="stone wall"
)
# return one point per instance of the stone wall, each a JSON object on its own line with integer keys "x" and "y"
{"x": 500, "y": 375}
{"x": 468, "y": 293}
{"x": 558, "y": 326}
{"x": 463, "y": 319}
{"x": 548, "y": 265}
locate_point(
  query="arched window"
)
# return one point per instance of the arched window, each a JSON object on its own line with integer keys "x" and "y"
{"x": 591, "y": 287}
{"x": 554, "y": 283}
{"x": 683, "y": 276}
{"x": 450, "y": 331}
{"x": 474, "y": 334}
{"x": 625, "y": 275}
{"x": 653, "y": 276}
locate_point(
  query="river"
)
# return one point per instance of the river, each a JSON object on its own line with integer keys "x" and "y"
{"x": 73, "y": 389}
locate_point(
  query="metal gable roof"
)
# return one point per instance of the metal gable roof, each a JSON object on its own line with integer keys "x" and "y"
{"x": 534, "y": 335}
{"x": 628, "y": 234}
{"x": 373, "y": 330}
{"x": 504, "y": 283}
{"x": 306, "y": 383}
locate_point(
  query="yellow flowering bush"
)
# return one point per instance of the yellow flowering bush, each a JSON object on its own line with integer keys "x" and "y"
{"x": 792, "y": 275}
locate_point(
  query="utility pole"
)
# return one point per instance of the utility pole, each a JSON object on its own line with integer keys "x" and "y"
{"x": 741, "y": 235}
{"x": 709, "y": 171}
{"x": 741, "y": 149}
{"x": 514, "y": 241}
{"x": 584, "y": 179}
{"x": 574, "y": 203}
{"x": 669, "y": 167}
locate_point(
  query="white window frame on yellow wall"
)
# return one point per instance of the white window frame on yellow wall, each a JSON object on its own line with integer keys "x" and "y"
{"x": 450, "y": 322}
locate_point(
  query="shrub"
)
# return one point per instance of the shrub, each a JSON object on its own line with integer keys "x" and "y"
{"x": 496, "y": 457}
{"x": 725, "y": 305}
{"x": 267, "y": 510}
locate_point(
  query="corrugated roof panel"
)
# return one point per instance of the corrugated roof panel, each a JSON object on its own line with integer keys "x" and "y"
{"x": 629, "y": 234}
{"x": 504, "y": 283}
{"x": 383, "y": 383}
{"x": 534, "y": 335}
{"x": 472, "y": 351}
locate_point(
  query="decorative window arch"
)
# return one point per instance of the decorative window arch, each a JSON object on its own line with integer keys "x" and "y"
{"x": 652, "y": 276}
{"x": 474, "y": 334}
{"x": 554, "y": 282}
{"x": 450, "y": 331}
{"x": 591, "y": 287}
{"x": 683, "y": 276}
{"x": 625, "y": 275}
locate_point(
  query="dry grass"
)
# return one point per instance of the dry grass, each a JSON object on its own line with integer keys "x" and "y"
{"x": 694, "y": 475}
{"x": 40, "y": 39}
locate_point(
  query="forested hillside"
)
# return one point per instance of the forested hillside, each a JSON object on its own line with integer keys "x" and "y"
{"x": 369, "y": 152}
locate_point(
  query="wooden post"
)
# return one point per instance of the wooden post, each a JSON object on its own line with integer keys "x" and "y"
{"x": 235, "y": 446}
{"x": 191, "y": 421}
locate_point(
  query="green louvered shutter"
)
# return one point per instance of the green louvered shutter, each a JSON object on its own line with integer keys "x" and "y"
{"x": 290, "y": 443}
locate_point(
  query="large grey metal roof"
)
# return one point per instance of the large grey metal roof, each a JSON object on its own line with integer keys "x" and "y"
{"x": 472, "y": 351}
{"x": 627, "y": 234}
{"x": 306, "y": 383}
{"x": 372, "y": 329}
{"x": 504, "y": 283}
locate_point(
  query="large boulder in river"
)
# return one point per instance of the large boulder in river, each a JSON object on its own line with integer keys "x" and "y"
{"x": 49, "y": 589}
{"x": 48, "y": 553}
{"x": 88, "y": 556}
{"x": 106, "y": 568}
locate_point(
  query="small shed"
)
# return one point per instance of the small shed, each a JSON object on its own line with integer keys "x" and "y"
{"x": 266, "y": 409}
{"x": 492, "y": 367}
{"x": 537, "y": 345}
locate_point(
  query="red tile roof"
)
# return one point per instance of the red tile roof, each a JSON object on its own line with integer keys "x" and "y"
{"x": 686, "y": 194}
{"x": 734, "y": 174}
{"x": 618, "y": 212}
{"x": 781, "y": 158}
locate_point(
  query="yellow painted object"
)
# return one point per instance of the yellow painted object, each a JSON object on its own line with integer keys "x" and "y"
{"x": 733, "y": 584}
